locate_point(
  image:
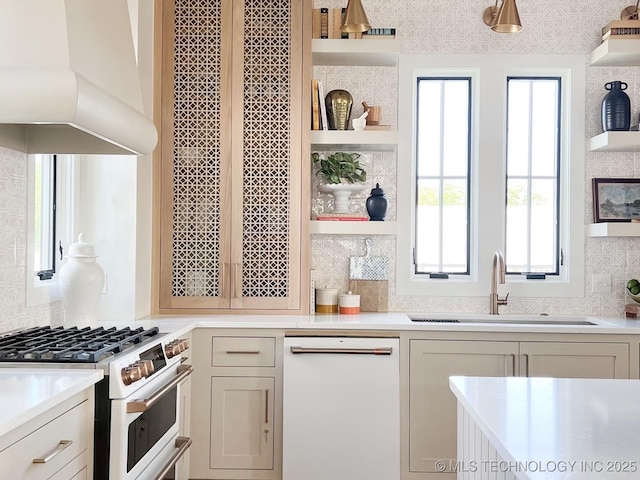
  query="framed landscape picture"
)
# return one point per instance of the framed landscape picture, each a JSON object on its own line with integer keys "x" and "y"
{"x": 616, "y": 199}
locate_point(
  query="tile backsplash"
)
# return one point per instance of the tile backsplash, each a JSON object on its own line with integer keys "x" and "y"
{"x": 13, "y": 233}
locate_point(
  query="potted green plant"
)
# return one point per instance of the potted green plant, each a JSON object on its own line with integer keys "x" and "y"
{"x": 344, "y": 175}
{"x": 340, "y": 167}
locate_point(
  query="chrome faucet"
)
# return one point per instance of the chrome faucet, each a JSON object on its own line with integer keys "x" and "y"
{"x": 497, "y": 276}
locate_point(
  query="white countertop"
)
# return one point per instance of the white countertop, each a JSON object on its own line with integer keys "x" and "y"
{"x": 395, "y": 321}
{"x": 26, "y": 393}
{"x": 588, "y": 428}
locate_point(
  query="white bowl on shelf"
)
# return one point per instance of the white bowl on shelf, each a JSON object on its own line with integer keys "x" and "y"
{"x": 636, "y": 298}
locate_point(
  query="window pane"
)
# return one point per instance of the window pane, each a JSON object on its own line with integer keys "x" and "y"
{"x": 44, "y": 226}
{"x": 442, "y": 227}
{"x": 532, "y": 175}
{"x": 428, "y": 216}
{"x": 544, "y": 135}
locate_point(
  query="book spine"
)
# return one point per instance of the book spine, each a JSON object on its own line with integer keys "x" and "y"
{"x": 617, "y": 36}
{"x": 380, "y": 32}
{"x": 315, "y": 117}
{"x": 335, "y": 21}
{"x": 315, "y": 26}
{"x": 324, "y": 23}
{"x": 343, "y": 10}
{"x": 323, "y": 107}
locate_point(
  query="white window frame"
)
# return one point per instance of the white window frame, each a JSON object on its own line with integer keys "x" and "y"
{"x": 38, "y": 291}
{"x": 488, "y": 74}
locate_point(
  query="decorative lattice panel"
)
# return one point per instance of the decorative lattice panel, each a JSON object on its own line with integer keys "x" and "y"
{"x": 196, "y": 150}
{"x": 266, "y": 160}
{"x": 265, "y": 163}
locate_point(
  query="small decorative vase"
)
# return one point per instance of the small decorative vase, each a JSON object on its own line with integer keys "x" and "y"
{"x": 338, "y": 103}
{"x": 81, "y": 281}
{"x": 616, "y": 108}
{"x": 377, "y": 204}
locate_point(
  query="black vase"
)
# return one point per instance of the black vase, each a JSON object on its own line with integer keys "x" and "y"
{"x": 616, "y": 108}
{"x": 377, "y": 204}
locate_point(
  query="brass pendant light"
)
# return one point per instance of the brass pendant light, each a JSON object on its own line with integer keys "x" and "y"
{"x": 630, "y": 13}
{"x": 355, "y": 18}
{"x": 505, "y": 19}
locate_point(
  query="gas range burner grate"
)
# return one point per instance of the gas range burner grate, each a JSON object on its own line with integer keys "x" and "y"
{"x": 70, "y": 345}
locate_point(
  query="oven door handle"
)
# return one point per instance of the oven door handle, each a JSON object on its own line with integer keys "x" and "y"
{"x": 182, "y": 445}
{"x": 138, "y": 406}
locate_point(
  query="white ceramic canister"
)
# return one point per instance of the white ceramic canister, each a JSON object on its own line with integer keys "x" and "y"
{"x": 81, "y": 282}
{"x": 326, "y": 300}
{"x": 349, "y": 303}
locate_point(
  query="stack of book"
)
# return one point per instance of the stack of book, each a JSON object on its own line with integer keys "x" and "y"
{"x": 627, "y": 29}
{"x": 319, "y": 119}
{"x": 342, "y": 217}
{"x": 327, "y": 22}
{"x": 379, "y": 33}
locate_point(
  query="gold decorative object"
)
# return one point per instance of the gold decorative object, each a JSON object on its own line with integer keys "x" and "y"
{"x": 355, "y": 18}
{"x": 505, "y": 19}
{"x": 630, "y": 13}
{"x": 338, "y": 104}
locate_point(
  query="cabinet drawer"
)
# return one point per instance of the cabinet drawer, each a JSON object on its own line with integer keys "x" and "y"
{"x": 49, "y": 443}
{"x": 243, "y": 352}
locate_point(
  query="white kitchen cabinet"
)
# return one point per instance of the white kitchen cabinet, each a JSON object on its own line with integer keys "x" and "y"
{"x": 236, "y": 408}
{"x": 231, "y": 157}
{"x": 432, "y": 406}
{"x": 57, "y": 444}
{"x": 241, "y": 423}
{"x": 574, "y": 360}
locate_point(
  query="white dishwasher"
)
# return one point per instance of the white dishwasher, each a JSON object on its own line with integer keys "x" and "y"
{"x": 341, "y": 408}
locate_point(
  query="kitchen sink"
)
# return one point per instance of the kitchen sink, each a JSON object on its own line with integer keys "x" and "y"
{"x": 504, "y": 319}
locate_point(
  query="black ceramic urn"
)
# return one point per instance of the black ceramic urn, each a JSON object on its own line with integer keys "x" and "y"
{"x": 377, "y": 204}
{"x": 616, "y": 108}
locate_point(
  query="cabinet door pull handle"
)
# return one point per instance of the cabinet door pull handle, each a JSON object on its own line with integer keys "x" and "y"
{"x": 354, "y": 351}
{"x": 243, "y": 352}
{"x": 138, "y": 406}
{"x": 235, "y": 280}
{"x": 266, "y": 407}
{"x": 61, "y": 446}
{"x": 223, "y": 280}
{"x": 512, "y": 364}
{"x": 526, "y": 363}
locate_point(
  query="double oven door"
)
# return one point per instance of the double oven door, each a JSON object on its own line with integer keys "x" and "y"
{"x": 145, "y": 443}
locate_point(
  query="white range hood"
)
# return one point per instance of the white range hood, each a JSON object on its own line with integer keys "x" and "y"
{"x": 69, "y": 80}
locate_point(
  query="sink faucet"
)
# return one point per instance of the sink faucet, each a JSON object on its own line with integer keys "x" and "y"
{"x": 497, "y": 276}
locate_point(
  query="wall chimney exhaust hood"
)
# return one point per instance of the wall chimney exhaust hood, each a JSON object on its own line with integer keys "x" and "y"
{"x": 69, "y": 79}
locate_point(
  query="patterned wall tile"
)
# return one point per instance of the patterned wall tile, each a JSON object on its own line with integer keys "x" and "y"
{"x": 13, "y": 233}
{"x": 550, "y": 27}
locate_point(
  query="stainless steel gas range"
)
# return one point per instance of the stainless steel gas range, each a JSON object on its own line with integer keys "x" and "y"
{"x": 137, "y": 404}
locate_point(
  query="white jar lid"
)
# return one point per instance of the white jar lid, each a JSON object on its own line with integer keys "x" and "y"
{"x": 81, "y": 249}
{"x": 349, "y": 300}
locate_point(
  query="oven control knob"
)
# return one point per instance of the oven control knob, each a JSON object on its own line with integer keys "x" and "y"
{"x": 185, "y": 344}
{"x": 172, "y": 349}
{"x": 146, "y": 367}
{"x": 131, "y": 373}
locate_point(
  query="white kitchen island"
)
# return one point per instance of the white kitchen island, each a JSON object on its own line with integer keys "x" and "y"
{"x": 547, "y": 428}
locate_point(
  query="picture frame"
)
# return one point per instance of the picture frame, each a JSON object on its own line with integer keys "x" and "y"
{"x": 616, "y": 199}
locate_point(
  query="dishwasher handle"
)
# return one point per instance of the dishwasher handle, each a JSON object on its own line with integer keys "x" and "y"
{"x": 352, "y": 351}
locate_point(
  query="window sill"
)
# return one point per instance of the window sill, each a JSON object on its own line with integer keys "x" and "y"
{"x": 40, "y": 292}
